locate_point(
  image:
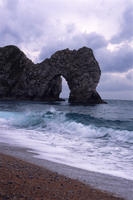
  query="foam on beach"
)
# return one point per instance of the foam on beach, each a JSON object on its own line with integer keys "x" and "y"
{"x": 83, "y": 137}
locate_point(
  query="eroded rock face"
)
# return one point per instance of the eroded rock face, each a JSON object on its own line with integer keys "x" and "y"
{"x": 20, "y": 78}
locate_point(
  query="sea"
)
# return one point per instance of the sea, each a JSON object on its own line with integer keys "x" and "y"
{"x": 97, "y": 138}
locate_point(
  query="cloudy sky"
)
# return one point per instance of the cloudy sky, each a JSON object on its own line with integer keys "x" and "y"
{"x": 40, "y": 27}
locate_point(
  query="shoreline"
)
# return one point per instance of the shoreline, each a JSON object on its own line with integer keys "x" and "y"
{"x": 110, "y": 184}
{"x": 25, "y": 181}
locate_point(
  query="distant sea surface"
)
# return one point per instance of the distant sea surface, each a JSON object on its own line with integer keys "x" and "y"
{"x": 97, "y": 138}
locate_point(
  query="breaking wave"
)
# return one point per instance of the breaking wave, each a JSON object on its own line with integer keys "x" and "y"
{"x": 72, "y": 135}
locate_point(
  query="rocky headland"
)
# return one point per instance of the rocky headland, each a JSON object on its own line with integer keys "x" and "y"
{"x": 21, "y": 79}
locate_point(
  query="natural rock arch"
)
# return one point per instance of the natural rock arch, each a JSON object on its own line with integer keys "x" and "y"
{"x": 22, "y": 79}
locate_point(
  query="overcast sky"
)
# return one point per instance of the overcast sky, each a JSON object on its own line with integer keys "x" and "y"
{"x": 40, "y": 27}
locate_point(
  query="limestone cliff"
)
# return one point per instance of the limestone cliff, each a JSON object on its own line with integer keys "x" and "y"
{"x": 20, "y": 78}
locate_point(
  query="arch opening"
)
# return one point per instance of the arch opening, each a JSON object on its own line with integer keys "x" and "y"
{"x": 65, "y": 91}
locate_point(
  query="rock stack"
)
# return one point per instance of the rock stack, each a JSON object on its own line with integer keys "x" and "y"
{"x": 20, "y": 78}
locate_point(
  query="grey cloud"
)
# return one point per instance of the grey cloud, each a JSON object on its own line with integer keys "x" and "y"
{"x": 11, "y": 6}
{"x": 70, "y": 28}
{"x": 126, "y": 27}
{"x": 114, "y": 82}
{"x": 19, "y": 24}
{"x": 9, "y": 36}
{"x": 130, "y": 75}
{"x": 120, "y": 60}
{"x": 51, "y": 48}
{"x": 120, "y": 95}
{"x": 92, "y": 40}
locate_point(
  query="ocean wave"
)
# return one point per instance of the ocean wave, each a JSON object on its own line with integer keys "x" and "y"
{"x": 39, "y": 119}
{"x": 70, "y": 125}
{"x": 85, "y": 140}
{"x": 100, "y": 122}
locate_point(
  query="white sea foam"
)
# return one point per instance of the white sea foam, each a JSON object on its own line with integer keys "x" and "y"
{"x": 54, "y": 137}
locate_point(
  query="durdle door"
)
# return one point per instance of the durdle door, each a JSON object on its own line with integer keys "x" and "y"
{"x": 20, "y": 78}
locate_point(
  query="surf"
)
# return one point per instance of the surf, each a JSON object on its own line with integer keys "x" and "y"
{"x": 72, "y": 135}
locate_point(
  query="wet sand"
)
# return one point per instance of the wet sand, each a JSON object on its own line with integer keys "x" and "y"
{"x": 23, "y": 180}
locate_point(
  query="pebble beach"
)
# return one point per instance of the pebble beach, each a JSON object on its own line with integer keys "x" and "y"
{"x": 21, "y": 180}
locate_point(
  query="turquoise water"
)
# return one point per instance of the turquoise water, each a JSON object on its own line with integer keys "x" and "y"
{"x": 97, "y": 138}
